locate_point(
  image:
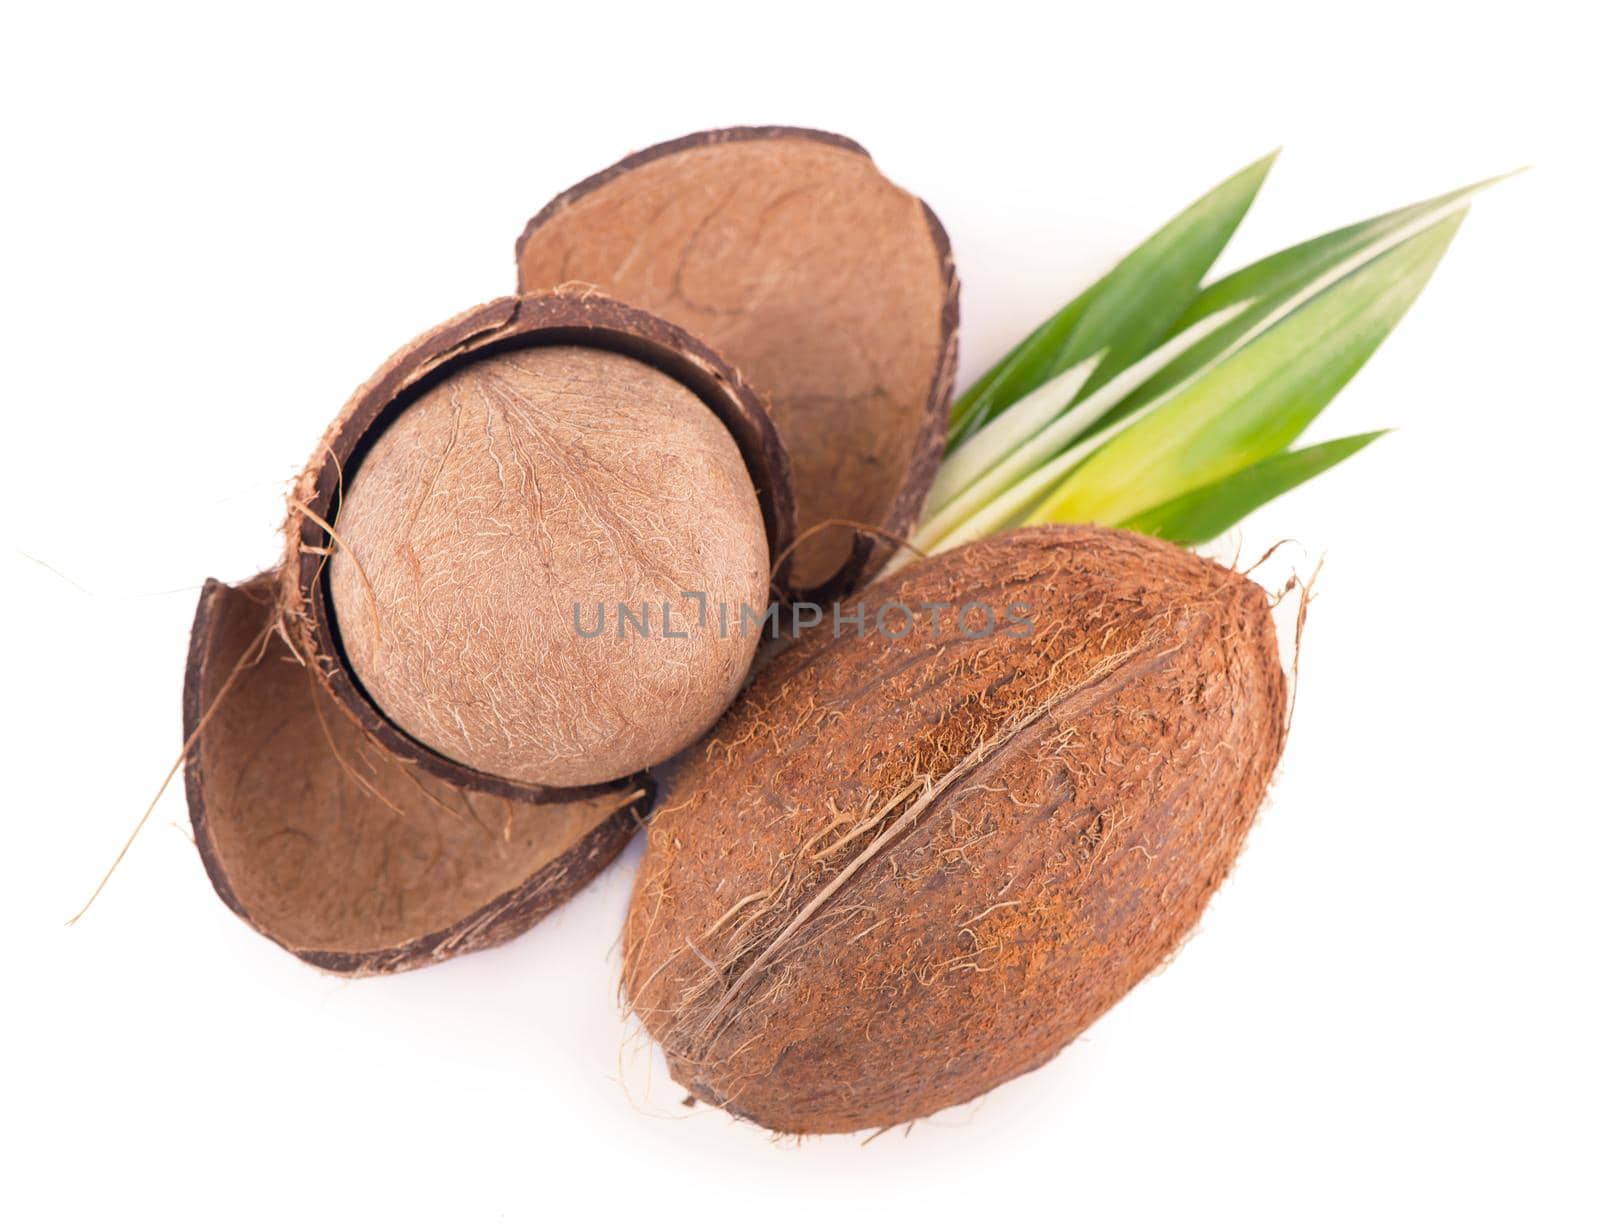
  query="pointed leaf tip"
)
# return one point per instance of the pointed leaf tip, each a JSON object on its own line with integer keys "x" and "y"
{"x": 1203, "y": 514}
{"x": 1257, "y": 400}
{"x": 1126, "y": 313}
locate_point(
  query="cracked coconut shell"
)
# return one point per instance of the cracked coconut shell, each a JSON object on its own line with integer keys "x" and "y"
{"x": 324, "y": 824}
{"x": 831, "y": 289}
{"x": 506, "y": 326}
{"x": 903, "y": 870}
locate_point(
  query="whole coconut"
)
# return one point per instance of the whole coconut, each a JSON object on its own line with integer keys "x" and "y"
{"x": 912, "y": 864}
{"x": 528, "y": 553}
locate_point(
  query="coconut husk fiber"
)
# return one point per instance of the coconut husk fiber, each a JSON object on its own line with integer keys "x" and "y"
{"x": 831, "y": 289}
{"x": 904, "y": 869}
{"x": 320, "y": 821}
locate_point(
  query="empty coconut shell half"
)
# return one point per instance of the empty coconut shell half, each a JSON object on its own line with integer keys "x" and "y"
{"x": 463, "y": 498}
{"x": 352, "y": 858}
{"x": 831, "y": 289}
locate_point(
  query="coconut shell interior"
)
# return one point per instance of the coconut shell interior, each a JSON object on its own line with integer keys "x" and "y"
{"x": 349, "y": 856}
{"x": 831, "y": 289}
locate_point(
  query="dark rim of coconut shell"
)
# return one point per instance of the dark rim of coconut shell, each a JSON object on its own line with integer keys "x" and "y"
{"x": 559, "y": 318}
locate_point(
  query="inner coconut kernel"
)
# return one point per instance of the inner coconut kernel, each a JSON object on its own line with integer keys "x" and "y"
{"x": 542, "y": 563}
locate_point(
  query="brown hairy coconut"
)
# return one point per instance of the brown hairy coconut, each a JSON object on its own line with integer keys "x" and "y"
{"x": 831, "y": 289}
{"x": 325, "y": 824}
{"x": 904, "y": 869}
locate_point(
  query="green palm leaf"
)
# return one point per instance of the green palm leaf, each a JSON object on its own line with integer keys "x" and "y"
{"x": 1199, "y": 516}
{"x": 1125, "y": 313}
{"x": 1269, "y": 285}
{"x": 1257, "y": 400}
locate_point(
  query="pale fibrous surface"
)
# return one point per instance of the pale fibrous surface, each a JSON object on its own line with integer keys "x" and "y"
{"x": 525, "y": 497}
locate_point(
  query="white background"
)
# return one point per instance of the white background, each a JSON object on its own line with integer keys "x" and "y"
{"x": 218, "y": 221}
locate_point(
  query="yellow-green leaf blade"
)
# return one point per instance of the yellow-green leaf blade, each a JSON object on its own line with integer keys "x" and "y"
{"x": 1202, "y": 514}
{"x": 1255, "y": 402}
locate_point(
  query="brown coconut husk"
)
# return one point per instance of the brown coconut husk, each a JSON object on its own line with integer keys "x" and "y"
{"x": 323, "y": 824}
{"x": 904, "y": 870}
{"x": 830, "y": 288}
